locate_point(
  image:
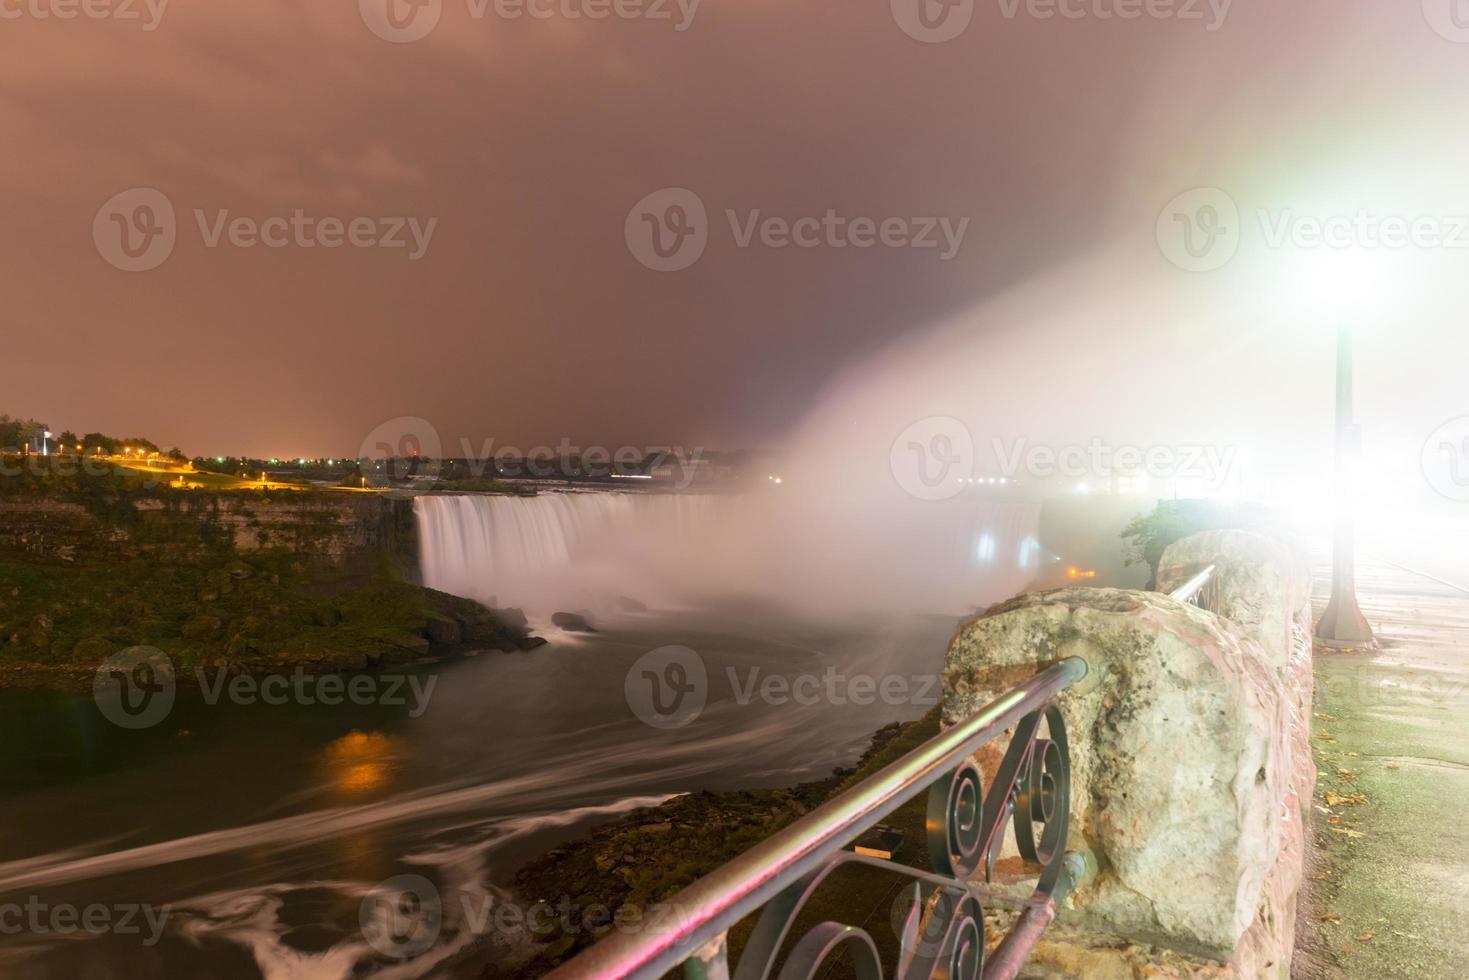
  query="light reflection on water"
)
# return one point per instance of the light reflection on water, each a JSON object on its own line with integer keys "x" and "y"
{"x": 360, "y": 762}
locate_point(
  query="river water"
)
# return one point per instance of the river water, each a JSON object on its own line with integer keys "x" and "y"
{"x": 261, "y": 829}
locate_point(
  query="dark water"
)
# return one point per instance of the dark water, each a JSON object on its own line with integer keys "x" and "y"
{"x": 260, "y": 830}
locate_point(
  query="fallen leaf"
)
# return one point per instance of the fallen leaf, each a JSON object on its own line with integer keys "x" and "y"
{"x": 1346, "y": 832}
{"x": 1352, "y": 799}
{"x": 1323, "y": 876}
{"x": 1366, "y": 937}
{"x": 1354, "y": 755}
{"x": 1328, "y": 917}
{"x": 1333, "y": 819}
{"x": 1323, "y": 717}
{"x": 1346, "y": 774}
{"x": 1325, "y": 737}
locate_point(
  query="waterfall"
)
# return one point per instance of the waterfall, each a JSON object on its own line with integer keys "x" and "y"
{"x": 556, "y": 550}
{"x": 567, "y": 551}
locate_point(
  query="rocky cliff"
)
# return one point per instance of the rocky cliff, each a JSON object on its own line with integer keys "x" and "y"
{"x": 336, "y": 528}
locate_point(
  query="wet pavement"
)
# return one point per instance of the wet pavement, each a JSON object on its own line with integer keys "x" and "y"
{"x": 1388, "y": 886}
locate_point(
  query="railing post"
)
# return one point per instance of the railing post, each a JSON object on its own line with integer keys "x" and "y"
{"x": 1202, "y": 590}
{"x": 710, "y": 962}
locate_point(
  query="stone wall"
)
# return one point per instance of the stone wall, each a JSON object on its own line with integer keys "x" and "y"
{"x": 1264, "y": 587}
{"x": 1189, "y": 757}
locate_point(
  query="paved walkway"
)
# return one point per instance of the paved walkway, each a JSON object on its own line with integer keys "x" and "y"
{"x": 1389, "y": 895}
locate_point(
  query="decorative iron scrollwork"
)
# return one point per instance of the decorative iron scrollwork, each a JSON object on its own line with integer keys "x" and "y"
{"x": 940, "y": 927}
{"x": 943, "y": 930}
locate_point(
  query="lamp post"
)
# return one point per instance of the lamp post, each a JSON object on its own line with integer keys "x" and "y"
{"x": 1343, "y": 626}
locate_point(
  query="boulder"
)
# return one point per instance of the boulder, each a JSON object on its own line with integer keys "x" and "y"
{"x": 443, "y": 629}
{"x": 513, "y": 618}
{"x": 1180, "y": 751}
{"x": 572, "y": 622}
{"x": 1264, "y": 585}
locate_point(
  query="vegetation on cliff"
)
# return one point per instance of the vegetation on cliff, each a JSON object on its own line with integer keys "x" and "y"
{"x": 269, "y": 609}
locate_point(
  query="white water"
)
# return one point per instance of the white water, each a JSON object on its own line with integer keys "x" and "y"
{"x": 563, "y": 551}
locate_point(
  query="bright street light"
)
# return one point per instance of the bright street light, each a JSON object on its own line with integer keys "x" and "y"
{"x": 1345, "y": 284}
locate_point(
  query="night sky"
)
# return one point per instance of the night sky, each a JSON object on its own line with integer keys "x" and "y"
{"x": 528, "y": 318}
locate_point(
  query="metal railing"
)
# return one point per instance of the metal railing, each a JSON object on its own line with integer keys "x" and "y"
{"x": 1202, "y": 590}
{"x": 943, "y": 932}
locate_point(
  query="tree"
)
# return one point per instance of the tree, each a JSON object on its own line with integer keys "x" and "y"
{"x": 17, "y": 433}
{"x": 94, "y": 441}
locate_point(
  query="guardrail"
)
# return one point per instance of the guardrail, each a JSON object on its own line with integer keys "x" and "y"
{"x": 943, "y": 932}
{"x": 1202, "y": 590}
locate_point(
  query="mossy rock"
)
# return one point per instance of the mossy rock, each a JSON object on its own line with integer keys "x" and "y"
{"x": 200, "y": 626}
{"x": 93, "y": 649}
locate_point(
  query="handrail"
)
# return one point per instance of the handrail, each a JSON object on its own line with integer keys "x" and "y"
{"x": 1201, "y": 590}
{"x": 1032, "y": 785}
